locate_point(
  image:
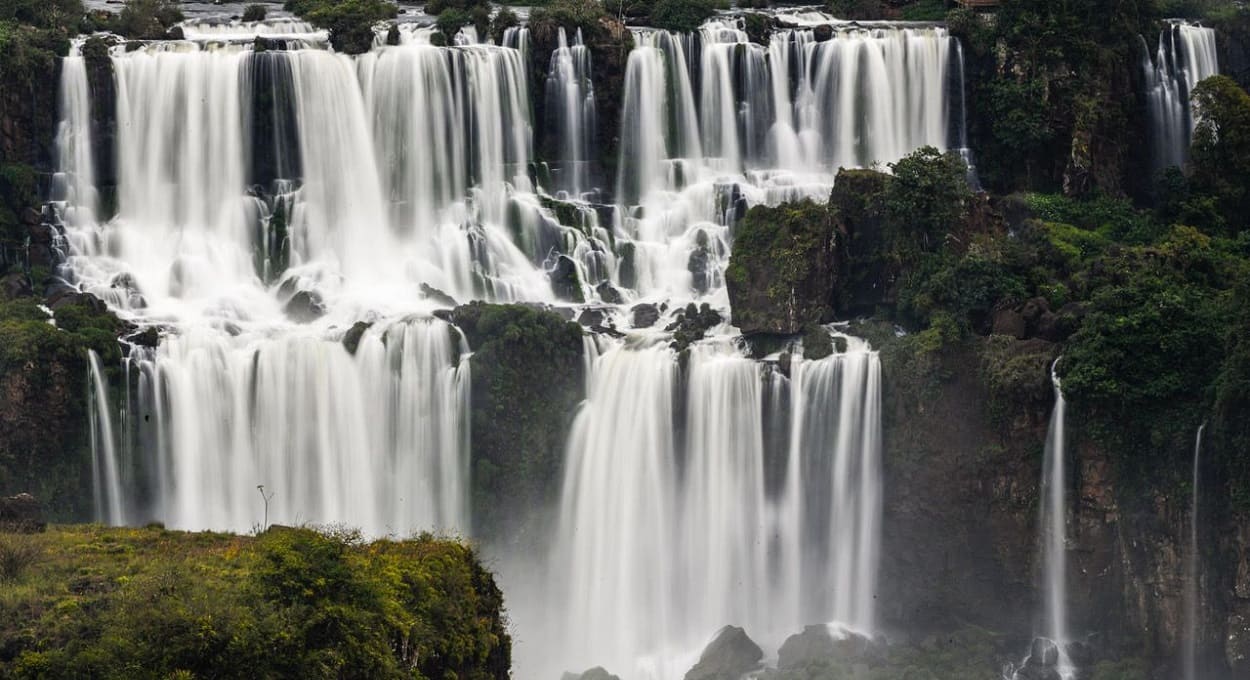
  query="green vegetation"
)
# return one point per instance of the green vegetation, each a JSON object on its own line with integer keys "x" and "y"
{"x": 350, "y": 22}
{"x": 527, "y": 380}
{"x": 856, "y": 9}
{"x": 682, "y": 16}
{"x": 147, "y": 19}
{"x": 255, "y": 13}
{"x": 150, "y": 603}
{"x": 570, "y": 15}
{"x": 1220, "y": 157}
{"x": 456, "y": 14}
{"x": 782, "y": 271}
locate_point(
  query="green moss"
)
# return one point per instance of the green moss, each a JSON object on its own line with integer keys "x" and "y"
{"x": 150, "y": 603}
{"x": 527, "y": 380}
{"x": 782, "y": 269}
{"x": 682, "y": 16}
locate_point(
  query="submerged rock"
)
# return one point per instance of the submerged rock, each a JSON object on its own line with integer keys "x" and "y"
{"x": 609, "y": 294}
{"x": 645, "y": 315}
{"x": 437, "y": 296}
{"x": 351, "y": 339}
{"x": 304, "y": 306}
{"x": 728, "y": 657}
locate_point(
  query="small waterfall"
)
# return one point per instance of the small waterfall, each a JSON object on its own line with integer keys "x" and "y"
{"x": 1189, "y": 656}
{"x": 1186, "y": 56}
{"x": 1050, "y": 652}
{"x": 105, "y": 469}
{"x": 670, "y": 528}
{"x": 74, "y": 184}
{"x": 571, "y": 112}
{"x": 1054, "y": 528}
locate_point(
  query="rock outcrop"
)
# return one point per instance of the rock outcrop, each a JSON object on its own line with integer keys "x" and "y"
{"x": 21, "y": 514}
{"x": 730, "y": 656}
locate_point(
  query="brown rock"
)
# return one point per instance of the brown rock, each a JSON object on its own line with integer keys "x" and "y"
{"x": 21, "y": 514}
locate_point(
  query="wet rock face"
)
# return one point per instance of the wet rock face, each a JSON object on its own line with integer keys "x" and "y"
{"x": 304, "y": 306}
{"x": 728, "y": 657}
{"x": 21, "y": 514}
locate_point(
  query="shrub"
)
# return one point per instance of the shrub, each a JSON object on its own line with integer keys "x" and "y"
{"x": 570, "y": 15}
{"x": 503, "y": 20}
{"x": 17, "y": 553}
{"x": 254, "y": 13}
{"x": 856, "y": 9}
{"x": 682, "y": 16}
{"x": 927, "y": 197}
{"x": 350, "y": 22}
{"x": 1221, "y": 147}
{"x": 147, "y": 19}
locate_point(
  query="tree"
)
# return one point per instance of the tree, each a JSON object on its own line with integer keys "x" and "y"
{"x": 1220, "y": 156}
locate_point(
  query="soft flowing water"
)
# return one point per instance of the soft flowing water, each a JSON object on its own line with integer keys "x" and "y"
{"x": 283, "y": 217}
{"x": 1185, "y": 57}
{"x": 1193, "y": 576}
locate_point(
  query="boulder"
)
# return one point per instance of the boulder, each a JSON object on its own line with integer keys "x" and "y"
{"x": 304, "y": 306}
{"x": 351, "y": 339}
{"x": 21, "y": 514}
{"x": 817, "y": 646}
{"x": 565, "y": 281}
{"x": 814, "y": 645}
{"x": 645, "y": 315}
{"x": 692, "y": 324}
{"x": 700, "y": 264}
{"x": 591, "y": 317}
{"x": 14, "y": 285}
{"x": 609, "y": 294}
{"x": 729, "y": 656}
{"x": 596, "y": 673}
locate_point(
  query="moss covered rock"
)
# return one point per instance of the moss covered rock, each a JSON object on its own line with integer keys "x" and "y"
{"x": 528, "y": 377}
{"x": 784, "y": 270}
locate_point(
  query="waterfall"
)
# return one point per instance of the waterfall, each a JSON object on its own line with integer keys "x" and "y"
{"x": 669, "y": 527}
{"x": 1051, "y": 651}
{"x": 105, "y": 469}
{"x": 74, "y": 183}
{"x": 571, "y": 110}
{"x": 377, "y": 440}
{"x": 713, "y": 123}
{"x": 1186, "y": 56}
{"x": 1189, "y": 656}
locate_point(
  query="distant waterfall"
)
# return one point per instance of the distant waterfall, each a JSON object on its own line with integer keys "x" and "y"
{"x": 1193, "y": 576}
{"x": 1186, "y": 56}
{"x": 1054, "y": 529}
{"x": 571, "y": 111}
{"x": 669, "y": 528}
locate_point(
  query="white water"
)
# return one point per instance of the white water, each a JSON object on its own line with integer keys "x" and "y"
{"x": 571, "y": 110}
{"x": 669, "y": 528}
{"x": 74, "y": 183}
{"x": 105, "y": 473}
{"x": 1189, "y": 656}
{"x": 409, "y": 166}
{"x": 714, "y": 125}
{"x": 1186, "y": 56}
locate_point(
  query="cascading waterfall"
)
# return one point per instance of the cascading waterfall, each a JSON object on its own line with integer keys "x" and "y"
{"x": 1189, "y": 653}
{"x": 376, "y": 440}
{"x": 713, "y": 123}
{"x": 1186, "y": 56}
{"x": 571, "y": 109}
{"x": 670, "y": 528}
{"x": 74, "y": 184}
{"x": 270, "y": 201}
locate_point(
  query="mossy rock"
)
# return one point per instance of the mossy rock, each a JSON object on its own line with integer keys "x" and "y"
{"x": 784, "y": 271}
